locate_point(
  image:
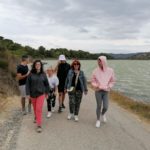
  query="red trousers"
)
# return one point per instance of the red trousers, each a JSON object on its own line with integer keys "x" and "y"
{"x": 37, "y": 106}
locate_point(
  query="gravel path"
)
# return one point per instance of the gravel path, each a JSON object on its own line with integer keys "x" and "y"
{"x": 10, "y": 123}
{"x": 122, "y": 131}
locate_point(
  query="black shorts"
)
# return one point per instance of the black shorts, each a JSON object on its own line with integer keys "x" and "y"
{"x": 60, "y": 88}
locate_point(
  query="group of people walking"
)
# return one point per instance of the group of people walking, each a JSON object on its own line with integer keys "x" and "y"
{"x": 38, "y": 85}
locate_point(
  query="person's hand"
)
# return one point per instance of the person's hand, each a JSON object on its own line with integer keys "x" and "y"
{"x": 65, "y": 90}
{"x": 96, "y": 88}
{"x": 27, "y": 73}
{"x": 105, "y": 88}
{"x": 55, "y": 93}
{"x": 46, "y": 96}
{"x": 28, "y": 97}
{"x": 85, "y": 92}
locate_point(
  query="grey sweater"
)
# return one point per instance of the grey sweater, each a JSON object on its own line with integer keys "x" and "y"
{"x": 37, "y": 85}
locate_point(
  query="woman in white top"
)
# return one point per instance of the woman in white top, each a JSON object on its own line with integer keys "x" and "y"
{"x": 53, "y": 83}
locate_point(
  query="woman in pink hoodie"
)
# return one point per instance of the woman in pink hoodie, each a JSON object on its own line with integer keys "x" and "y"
{"x": 102, "y": 81}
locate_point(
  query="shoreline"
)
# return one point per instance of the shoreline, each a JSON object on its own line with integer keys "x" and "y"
{"x": 141, "y": 109}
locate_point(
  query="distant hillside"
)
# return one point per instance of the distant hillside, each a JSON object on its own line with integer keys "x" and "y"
{"x": 19, "y": 50}
{"x": 123, "y": 56}
{"x": 42, "y": 52}
{"x": 141, "y": 56}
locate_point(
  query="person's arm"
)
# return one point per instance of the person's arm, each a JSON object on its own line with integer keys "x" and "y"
{"x": 20, "y": 76}
{"x": 94, "y": 82}
{"x": 111, "y": 81}
{"x": 56, "y": 85}
{"x": 28, "y": 85}
{"x": 66, "y": 82}
{"x": 47, "y": 87}
{"x": 85, "y": 83}
{"x": 56, "y": 68}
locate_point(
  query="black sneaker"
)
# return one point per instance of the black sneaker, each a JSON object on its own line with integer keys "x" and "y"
{"x": 63, "y": 106}
{"x": 34, "y": 121}
{"x": 24, "y": 112}
{"x": 60, "y": 110}
{"x": 39, "y": 129}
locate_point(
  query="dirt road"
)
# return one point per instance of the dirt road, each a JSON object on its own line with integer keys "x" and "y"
{"x": 122, "y": 131}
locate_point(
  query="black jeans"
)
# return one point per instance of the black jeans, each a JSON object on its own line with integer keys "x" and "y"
{"x": 51, "y": 101}
{"x": 74, "y": 102}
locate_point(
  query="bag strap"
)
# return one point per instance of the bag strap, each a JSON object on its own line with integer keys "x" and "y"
{"x": 77, "y": 76}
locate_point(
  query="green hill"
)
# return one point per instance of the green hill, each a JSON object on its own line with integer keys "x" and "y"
{"x": 18, "y": 50}
{"x": 141, "y": 56}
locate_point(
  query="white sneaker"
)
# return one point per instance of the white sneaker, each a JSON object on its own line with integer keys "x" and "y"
{"x": 98, "y": 124}
{"x": 70, "y": 116}
{"x": 53, "y": 110}
{"x": 104, "y": 118}
{"x": 49, "y": 114}
{"x": 76, "y": 118}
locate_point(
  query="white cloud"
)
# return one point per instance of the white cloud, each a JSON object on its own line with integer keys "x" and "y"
{"x": 97, "y": 25}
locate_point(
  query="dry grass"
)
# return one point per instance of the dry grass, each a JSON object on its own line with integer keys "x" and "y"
{"x": 139, "y": 108}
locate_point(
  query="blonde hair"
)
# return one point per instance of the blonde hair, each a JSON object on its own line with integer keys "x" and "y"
{"x": 50, "y": 68}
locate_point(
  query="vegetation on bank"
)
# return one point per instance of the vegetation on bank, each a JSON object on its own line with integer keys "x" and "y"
{"x": 141, "y": 56}
{"x": 138, "y": 108}
{"x": 8, "y": 64}
{"x": 42, "y": 52}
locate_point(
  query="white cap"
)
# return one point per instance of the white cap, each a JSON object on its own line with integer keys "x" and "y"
{"x": 62, "y": 57}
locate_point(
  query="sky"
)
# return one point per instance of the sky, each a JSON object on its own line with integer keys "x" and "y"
{"x": 110, "y": 26}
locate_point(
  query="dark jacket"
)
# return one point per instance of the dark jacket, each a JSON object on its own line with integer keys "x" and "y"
{"x": 62, "y": 72}
{"x": 37, "y": 85}
{"x": 82, "y": 80}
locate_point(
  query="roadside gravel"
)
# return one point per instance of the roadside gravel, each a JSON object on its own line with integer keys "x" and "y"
{"x": 10, "y": 122}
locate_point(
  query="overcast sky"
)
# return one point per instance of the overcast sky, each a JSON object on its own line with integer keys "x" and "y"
{"x": 117, "y": 26}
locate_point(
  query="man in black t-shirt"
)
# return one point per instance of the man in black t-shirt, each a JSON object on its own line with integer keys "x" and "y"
{"x": 22, "y": 73}
{"x": 62, "y": 71}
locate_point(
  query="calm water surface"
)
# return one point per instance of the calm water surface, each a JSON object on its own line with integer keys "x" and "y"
{"x": 132, "y": 76}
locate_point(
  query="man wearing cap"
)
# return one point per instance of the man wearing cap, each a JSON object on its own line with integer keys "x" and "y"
{"x": 62, "y": 70}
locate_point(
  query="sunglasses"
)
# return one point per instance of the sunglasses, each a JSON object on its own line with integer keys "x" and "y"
{"x": 76, "y": 64}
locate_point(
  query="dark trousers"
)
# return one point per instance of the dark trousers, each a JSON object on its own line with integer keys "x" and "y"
{"x": 51, "y": 101}
{"x": 74, "y": 102}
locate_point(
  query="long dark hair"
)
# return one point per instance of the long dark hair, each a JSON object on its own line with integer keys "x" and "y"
{"x": 33, "y": 70}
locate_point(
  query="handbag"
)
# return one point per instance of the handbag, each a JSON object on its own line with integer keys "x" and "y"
{"x": 72, "y": 88}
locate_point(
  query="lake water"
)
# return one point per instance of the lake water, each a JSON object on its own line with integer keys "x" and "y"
{"x": 132, "y": 76}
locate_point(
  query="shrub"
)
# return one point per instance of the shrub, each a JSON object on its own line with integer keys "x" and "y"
{"x": 3, "y": 64}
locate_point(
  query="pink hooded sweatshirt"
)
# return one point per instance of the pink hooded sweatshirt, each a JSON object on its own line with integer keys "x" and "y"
{"x": 103, "y": 79}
